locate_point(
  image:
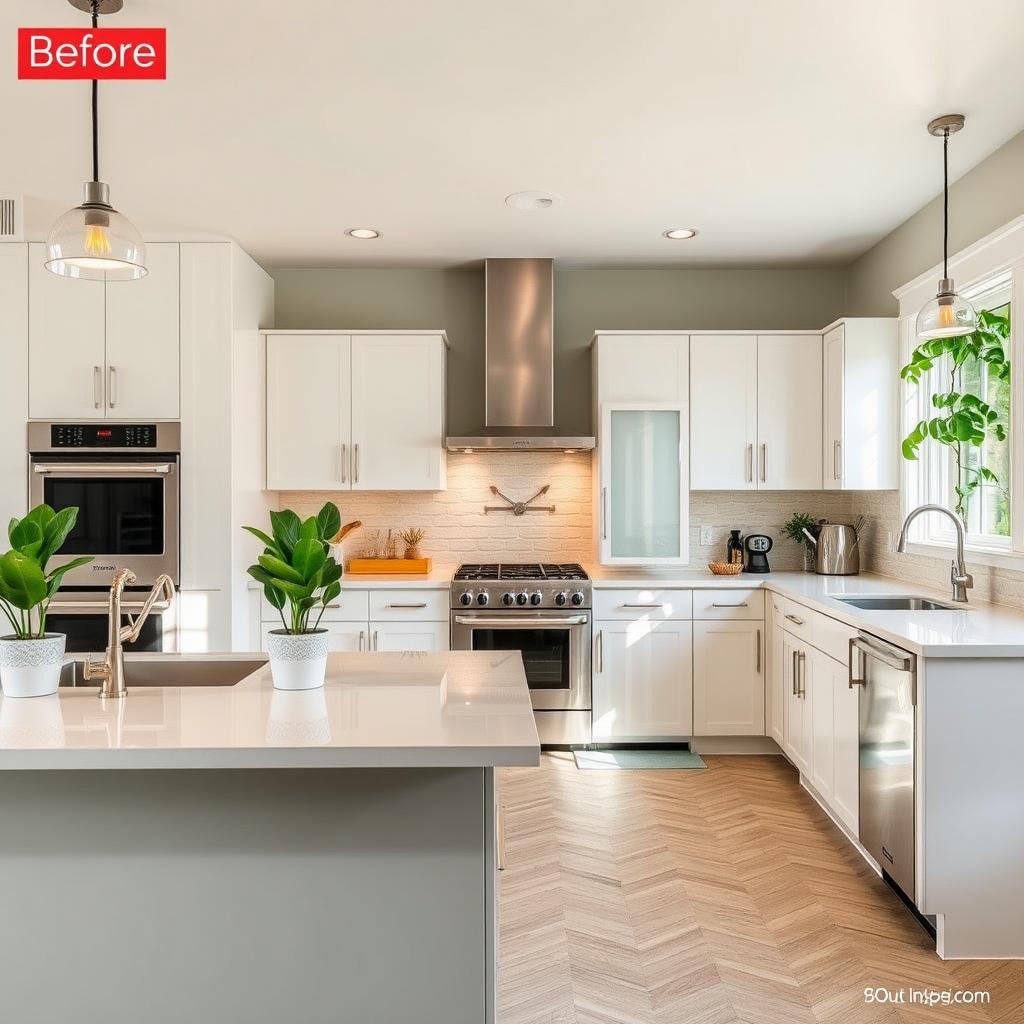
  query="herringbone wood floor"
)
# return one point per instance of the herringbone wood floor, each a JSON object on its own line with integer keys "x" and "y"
{"x": 706, "y": 897}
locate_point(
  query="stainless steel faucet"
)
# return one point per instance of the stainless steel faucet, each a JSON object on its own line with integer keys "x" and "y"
{"x": 111, "y": 670}
{"x": 961, "y": 579}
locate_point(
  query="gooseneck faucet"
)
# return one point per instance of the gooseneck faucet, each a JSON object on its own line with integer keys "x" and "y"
{"x": 111, "y": 669}
{"x": 961, "y": 579}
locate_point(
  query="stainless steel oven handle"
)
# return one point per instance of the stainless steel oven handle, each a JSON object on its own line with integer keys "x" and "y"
{"x": 469, "y": 620}
{"x": 103, "y": 468}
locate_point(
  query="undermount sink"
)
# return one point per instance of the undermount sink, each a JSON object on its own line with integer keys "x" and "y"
{"x": 177, "y": 670}
{"x": 900, "y": 603}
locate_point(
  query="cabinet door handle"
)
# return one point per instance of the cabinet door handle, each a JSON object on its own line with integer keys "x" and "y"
{"x": 837, "y": 473}
{"x": 499, "y": 837}
{"x": 793, "y": 618}
{"x": 97, "y": 387}
{"x": 604, "y": 513}
{"x": 355, "y": 463}
{"x": 639, "y": 605}
{"x": 375, "y": 639}
{"x": 793, "y": 673}
{"x": 803, "y": 674}
{"x": 112, "y": 386}
{"x": 362, "y": 639}
{"x": 757, "y": 650}
{"x": 725, "y": 604}
{"x": 764, "y": 463}
{"x": 750, "y": 463}
{"x": 599, "y": 644}
{"x": 422, "y": 604}
{"x": 854, "y": 657}
{"x": 344, "y": 463}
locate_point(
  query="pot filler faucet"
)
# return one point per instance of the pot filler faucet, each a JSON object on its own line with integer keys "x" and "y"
{"x": 111, "y": 670}
{"x": 961, "y": 579}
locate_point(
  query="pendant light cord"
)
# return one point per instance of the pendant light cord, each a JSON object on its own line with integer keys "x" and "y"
{"x": 945, "y": 204}
{"x": 95, "y": 108}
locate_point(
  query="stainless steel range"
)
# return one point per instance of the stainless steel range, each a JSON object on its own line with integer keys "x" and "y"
{"x": 544, "y": 611}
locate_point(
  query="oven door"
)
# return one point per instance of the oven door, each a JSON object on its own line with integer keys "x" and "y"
{"x": 127, "y": 513}
{"x": 82, "y": 617}
{"x": 555, "y": 647}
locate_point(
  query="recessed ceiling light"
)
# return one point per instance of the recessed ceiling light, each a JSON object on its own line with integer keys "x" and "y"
{"x": 680, "y": 233}
{"x": 531, "y": 200}
{"x": 362, "y": 233}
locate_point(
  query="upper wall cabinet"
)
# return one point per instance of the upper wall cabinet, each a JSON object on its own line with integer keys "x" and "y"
{"x": 641, "y": 399}
{"x": 755, "y": 411}
{"x": 355, "y": 411}
{"x": 105, "y": 350}
{"x": 861, "y": 378}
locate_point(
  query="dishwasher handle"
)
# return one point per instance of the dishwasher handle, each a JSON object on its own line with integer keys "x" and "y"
{"x": 894, "y": 657}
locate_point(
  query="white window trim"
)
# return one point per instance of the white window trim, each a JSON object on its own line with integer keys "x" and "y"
{"x": 998, "y": 253}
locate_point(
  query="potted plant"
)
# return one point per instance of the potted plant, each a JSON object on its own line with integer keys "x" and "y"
{"x": 794, "y": 527}
{"x": 31, "y": 658}
{"x": 298, "y": 574}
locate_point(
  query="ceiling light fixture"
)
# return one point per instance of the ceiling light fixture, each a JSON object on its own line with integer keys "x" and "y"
{"x": 680, "y": 233}
{"x": 948, "y": 315}
{"x": 93, "y": 241}
{"x": 362, "y": 233}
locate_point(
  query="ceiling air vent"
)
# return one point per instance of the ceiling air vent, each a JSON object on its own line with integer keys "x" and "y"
{"x": 11, "y": 219}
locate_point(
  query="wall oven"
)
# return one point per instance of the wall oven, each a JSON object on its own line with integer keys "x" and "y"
{"x": 124, "y": 479}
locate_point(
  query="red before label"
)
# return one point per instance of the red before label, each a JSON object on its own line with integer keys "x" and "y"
{"x": 92, "y": 52}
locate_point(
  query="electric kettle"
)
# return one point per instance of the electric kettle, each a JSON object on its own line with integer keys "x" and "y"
{"x": 836, "y": 549}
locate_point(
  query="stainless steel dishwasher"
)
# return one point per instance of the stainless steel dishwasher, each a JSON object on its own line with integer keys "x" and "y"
{"x": 887, "y": 677}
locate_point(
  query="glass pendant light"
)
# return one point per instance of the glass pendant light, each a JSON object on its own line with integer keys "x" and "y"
{"x": 93, "y": 241}
{"x": 948, "y": 315}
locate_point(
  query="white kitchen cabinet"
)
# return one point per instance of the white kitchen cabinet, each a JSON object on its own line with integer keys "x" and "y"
{"x": 823, "y": 672}
{"x": 643, "y": 680}
{"x": 409, "y": 636}
{"x": 309, "y": 420}
{"x": 13, "y": 378}
{"x": 728, "y": 678}
{"x": 775, "y": 701}
{"x": 788, "y": 412}
{"x": 797, "y": 668}
{"x": 723, "y": 412}
{"x": 860, "y": 394}
{"x": 644, "y": 499}
{"x": 355, "y": 411}
{"x": 846, "y": 747}
{"x": 142, "y": 349}
{"x": 641, "y": 466}
{"x": 116, "y": 344}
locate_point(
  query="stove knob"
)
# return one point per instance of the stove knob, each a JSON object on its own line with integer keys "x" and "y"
{"x": 482, "y": 598}
{"x": 507, "y": 598}
{"x": 577, "y": 598}
{"x": 522, "y": 598}
{"x": 536, "y": 598}
{"x": 561, "y": 598}
{"x": 466, "y": 597}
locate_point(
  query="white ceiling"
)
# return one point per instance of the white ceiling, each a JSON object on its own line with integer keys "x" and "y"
{"x": 789, "y": 131}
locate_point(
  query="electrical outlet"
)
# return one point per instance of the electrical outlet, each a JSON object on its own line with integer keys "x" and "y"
{"x": 705, "y": 535}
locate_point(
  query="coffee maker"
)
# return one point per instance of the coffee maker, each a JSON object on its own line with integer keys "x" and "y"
{"x": 757, "y": 546}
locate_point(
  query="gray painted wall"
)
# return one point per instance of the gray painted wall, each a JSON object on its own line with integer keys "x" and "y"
{"x": 985, "y": 198}
{"x": 585, "y": 300}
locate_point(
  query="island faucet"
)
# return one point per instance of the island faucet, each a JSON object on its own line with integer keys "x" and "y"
{"x": 111, "y": 669}
{"x": 958, "y": 575}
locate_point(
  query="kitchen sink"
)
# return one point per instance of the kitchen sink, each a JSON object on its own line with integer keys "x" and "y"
{"x": 900, "y": 603}
{"x": 183, "y": 670}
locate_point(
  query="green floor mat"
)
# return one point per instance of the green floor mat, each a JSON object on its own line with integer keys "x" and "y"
{"x": 649, "y": 760}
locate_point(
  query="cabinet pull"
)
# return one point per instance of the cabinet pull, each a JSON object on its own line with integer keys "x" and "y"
{"x": 112, "y": 386}
{"x": 355, "y": 463}
{"x": 725, "y": 604}
{"x": 599, "y": 644}
{"x": 639, "y": 605}
{"x": 97, "y": 387}
{"x": 604, "y": 513}
{"x": 764, "y": 463}
{"x": 836, "y": 471}
{"x": 375, "y": 639}
{"x": 793, "y": 673}
{"x": 803, "y": 674}
{"x": 499, "y": 837}
{"x": 793, "y": 618}
{"x": 757, "y": 650}
{"x": 344, "y": 463}
{"x": 750, "y": 463}
{"x": 851, "y": 663}
{"x": 362, "y": 639}
{"x": 422, "y": 604}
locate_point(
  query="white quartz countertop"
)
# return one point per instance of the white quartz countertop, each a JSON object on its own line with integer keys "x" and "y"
{"x": 974, "y": 631}
{"x": 454, "y": 709}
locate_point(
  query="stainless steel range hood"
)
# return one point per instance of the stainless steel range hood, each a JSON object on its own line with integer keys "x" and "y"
{"x": 519, "y": 399}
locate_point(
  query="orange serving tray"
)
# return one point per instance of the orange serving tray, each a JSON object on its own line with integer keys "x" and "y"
{"x": 407, "y": 566}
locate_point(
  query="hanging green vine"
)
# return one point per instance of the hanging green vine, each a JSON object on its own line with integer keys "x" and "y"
{"x": 964, "y": 420}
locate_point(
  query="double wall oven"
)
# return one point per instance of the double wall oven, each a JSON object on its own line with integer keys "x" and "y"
{"x": 124, "y": 480}
{"x": 543, "y": 611}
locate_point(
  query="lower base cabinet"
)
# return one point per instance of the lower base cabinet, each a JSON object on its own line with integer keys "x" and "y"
{"x": 728, "y": 678}
{"x": 408, "y": 636}
{"x": 797, "y": 686}
{"x": 643, "y": 680}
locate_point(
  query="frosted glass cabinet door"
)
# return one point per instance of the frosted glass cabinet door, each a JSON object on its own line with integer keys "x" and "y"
{"x": 643, "y": 505}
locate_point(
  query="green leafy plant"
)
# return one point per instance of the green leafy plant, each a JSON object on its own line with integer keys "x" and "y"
{"x": 794, "y": 526}
{"x": 963, "y": 419}
{"x": 296, "y": 567}
{"x": 26, "y": 588}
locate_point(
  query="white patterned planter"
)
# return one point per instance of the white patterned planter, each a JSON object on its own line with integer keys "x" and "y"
{"x": 31, "y": 668}
{"x": 298, "y": 661}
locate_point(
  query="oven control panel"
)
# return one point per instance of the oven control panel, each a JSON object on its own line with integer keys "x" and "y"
{"x": 103, "y": 435}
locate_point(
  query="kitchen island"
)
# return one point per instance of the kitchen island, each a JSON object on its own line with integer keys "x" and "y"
{"x": 211, "y": 852}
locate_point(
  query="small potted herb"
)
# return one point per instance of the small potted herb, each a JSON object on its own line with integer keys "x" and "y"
{"x": 31, "y": 658}
{"x": 794, "y": 527}
{"x": 299, "y": 574}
